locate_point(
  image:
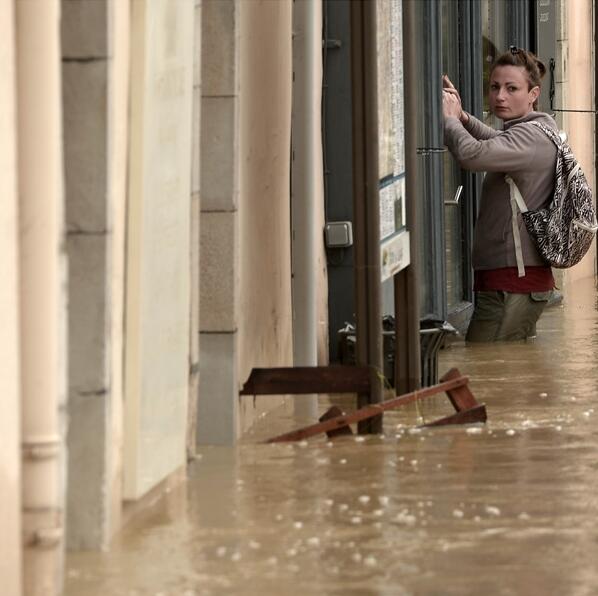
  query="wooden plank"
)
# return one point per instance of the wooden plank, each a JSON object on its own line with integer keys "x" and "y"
{"x": 476, "y": 414}
{"x": 368, "y": 411}
{"x": 307, "y": 379}
{"x": 461, "y": 397}
{"x": 333, "y": 412}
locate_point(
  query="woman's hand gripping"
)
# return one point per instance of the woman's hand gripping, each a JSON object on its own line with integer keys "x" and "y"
{"x": 451, "y": 101}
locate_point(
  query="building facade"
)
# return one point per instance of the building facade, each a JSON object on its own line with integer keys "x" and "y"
{"x": 458, "y": 38}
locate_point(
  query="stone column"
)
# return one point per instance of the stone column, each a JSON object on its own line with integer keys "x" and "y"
{"x": 85, "y": 68}
{"x": 579, "y": 95}
{"x": 218, "y": 386}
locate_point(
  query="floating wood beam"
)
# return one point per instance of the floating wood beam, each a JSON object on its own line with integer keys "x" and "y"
{"x": 356, "y": 379}
{"x": 308, "y": 379}
{"x": 461, "y": 397}
{"x": 334, "y": 412}
{"x": 475, "y": 414}
{"x": 366, "y": 412}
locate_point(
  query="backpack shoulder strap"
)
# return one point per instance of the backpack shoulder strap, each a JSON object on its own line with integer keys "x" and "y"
{"x": 549, "y": 132}
{"x": 517, "y": 202}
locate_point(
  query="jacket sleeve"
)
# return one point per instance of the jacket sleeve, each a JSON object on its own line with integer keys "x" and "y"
{"x": 507, "y": 151}
{"x": 479, "y": 130}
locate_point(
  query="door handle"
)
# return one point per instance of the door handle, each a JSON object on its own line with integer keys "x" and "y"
{"x": 458, "y": 193}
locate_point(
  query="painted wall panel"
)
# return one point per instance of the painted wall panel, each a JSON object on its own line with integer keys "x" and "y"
{"x": 158, "y": 266}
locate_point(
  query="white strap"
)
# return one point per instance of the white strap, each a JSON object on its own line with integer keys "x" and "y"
{"x": 572, "y": 173}
{"x": 517, "y": 203}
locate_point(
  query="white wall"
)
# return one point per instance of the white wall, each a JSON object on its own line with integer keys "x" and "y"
{"x": 118, "y": 122}
{"x": 158, "y": 259}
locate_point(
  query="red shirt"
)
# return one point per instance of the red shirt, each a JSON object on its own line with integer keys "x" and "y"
{"x": 506, "y": 279}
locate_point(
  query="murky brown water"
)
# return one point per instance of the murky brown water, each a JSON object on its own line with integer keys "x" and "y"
{"x": 505, "y": 508}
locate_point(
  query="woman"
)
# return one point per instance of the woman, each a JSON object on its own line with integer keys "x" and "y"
{"x": 508, "y": 299}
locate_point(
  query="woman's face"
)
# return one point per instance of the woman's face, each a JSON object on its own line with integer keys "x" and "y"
{"x": 510, "y": 96}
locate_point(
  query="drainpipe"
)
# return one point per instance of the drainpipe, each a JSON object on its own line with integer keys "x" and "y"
{"x": 595, "y": 105}
{"x": 407, "y": 308}
{"x": 10, "y": 420}
{"x": 42, "y": 292}
{"x": 366, "y": 202}
{"x": 306, "y": 187}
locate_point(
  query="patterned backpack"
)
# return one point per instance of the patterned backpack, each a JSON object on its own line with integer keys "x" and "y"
{"x": 563, "y": 231}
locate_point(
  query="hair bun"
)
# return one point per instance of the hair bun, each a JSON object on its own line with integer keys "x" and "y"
{"x": 541, "y": 66}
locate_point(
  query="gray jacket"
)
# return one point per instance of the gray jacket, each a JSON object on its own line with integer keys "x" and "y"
{"x": 526, "y": 154}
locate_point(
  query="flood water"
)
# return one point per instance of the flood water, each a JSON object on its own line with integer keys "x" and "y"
{"x": 509, "y": 507}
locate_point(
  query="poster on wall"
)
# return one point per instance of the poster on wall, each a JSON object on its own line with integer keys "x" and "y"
{"x": 394, "y": 250}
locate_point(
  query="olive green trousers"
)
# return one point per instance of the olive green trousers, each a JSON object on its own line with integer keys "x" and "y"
{"x": 502, "y": 316}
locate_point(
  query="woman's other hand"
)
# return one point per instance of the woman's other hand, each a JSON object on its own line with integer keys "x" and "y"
{"x": 451, "y": 104}
{"x": 446, "y": 83}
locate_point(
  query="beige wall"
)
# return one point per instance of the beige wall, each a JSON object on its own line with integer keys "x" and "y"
{"x": 265, "y": 326}
{"x": 10, "y": 420}
{"x": 245, "y": 280}
{"x": 578, "y": 94}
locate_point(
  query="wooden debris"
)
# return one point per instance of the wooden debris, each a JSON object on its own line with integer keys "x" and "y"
{"x": 461, "y": 397}
{"x": 356, "y": 379}
{"x": 455, "y": 381}
{"x": 308, "y": 379}
{"x": 475, "y": 414}
{"x": 333, "y": 412}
